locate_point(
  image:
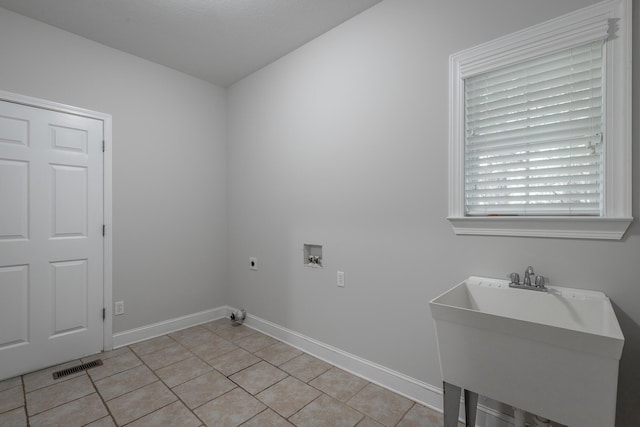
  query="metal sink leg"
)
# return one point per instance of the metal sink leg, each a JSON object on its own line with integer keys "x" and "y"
{"x": 452, "y": 405}
{"x": 470, "y": 407}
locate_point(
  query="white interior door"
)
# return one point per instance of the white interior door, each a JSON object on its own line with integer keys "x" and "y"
{"x": 51, "y": 248}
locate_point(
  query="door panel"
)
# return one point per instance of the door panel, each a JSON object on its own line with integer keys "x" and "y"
{"x": 13, "y": 130}
{"x": 69, "y": 286}
{"x": 69, "y": 203}
{"x": 63, "y": 138}
{"x": 14, "y": 194}
{"x": 14, "y": 287}
{"x": 51, "y": 248}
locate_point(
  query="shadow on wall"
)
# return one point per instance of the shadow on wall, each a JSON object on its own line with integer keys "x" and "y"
{"x": 628, "y": 410}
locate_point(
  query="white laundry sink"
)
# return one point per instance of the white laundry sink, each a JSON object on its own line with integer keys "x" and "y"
{"x": 554, "y": 353}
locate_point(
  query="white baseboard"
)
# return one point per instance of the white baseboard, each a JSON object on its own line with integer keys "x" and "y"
{"x": 414, "y": 389}
{"x": 142, "y": 333}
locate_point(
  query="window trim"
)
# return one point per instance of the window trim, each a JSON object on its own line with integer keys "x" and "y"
{"x": 612, "y": 17}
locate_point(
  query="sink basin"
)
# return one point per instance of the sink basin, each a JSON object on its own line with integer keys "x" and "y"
{"x": 554, "y": 354}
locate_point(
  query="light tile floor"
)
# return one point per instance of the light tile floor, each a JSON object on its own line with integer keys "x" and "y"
{"x": 214, "y": 374}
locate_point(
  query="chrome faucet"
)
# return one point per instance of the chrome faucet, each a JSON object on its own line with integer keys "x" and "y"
{"x": 527, "y": 276}
{"x": 538, "y": 281}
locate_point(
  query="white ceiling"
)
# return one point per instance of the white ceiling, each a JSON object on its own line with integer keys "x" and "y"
{"x": 220, "y": 41}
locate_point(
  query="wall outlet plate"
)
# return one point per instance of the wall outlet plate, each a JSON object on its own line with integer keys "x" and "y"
{"x": 119, "y": 308}
{"x": 340, "y": 279}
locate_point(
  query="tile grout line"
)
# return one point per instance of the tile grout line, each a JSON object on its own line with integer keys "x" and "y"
{"x": 404, "y": 414}
{"x": 310, "y": 385}
{"x": 57, "y": 381}
{"x": 323, "y": 393}
{"x": 304, "y": 406}
{"x": 209, "y": 401}
{"x": 104, "y": 402}
{"x": 63, "y": 403}
{"x": 24, "y": 400}
{"x": 172, "y": 363}
{"x": 171, "y": 389}
{"x": 158, "y": 379}
{"x": 267, "y": 407}
{"x": 311, "y": 379}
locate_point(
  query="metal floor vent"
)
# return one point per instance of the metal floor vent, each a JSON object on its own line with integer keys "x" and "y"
{"x": 75, "y": 369}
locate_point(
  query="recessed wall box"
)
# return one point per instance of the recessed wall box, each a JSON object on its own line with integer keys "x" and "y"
{"x": 312, "y": 255}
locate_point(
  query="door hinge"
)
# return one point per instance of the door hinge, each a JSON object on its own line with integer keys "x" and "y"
{"x": 104, "y": 313}
{"x": 103, "y": 145}
{"x": 104, "y": 229}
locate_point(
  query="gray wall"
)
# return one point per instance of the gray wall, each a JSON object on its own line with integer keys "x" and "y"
{"x": 169, "y": 163}
{"x": 344, "y": 143}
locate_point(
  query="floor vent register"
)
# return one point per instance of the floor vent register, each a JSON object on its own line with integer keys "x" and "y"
{"x": 75, "y": 369}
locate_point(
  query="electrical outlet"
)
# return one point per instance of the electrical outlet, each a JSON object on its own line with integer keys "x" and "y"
{"x": 119, "y": 308}
{"x": 340, "y": 279}
{"x": 253, "y": 263}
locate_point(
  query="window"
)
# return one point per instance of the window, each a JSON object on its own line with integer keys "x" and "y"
{"x": 540, "y": 129}
{"x": 533, "y": 136}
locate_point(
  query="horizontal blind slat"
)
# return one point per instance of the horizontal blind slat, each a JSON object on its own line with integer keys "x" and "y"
{"x": 520, "y": 145}
{"x": 578, "y": 190}
{"x": 589, "y": 170}
{"x": 585, "y": 88}
{"x": 571, "y": 128}
{"x": 578, "y": 50}
{"x": 535, "y": 90}
{"x": 579, "y": 70}
{"x": 491, "y": 185}
{"x": 533, "y": 157}
{"x": 543, "y": 168}
{"x": 480, "y": 123}
{"x": 534, "y": 119}
{"x": 587, "y": 210}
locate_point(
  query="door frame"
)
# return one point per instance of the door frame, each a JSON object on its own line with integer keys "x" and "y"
{"x": 107, "y": 241}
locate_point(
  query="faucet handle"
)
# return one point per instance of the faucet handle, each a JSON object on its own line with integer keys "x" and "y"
{"x": 539, "y": 282}
{"x": 515, "y": 278}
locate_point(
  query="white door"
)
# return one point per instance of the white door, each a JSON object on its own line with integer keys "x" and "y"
{"x": 51, "y": 248}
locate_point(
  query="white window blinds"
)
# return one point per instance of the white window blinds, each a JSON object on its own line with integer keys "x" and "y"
{"x": 533, "y": 136}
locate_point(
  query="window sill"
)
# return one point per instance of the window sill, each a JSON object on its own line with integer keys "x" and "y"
{"x": 556, "y": 227}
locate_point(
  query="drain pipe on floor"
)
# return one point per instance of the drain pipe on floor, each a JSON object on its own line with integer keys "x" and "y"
{"x": 238, "y": 316}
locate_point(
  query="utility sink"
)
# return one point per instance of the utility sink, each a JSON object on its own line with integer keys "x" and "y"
{"x": 554, "y": 354}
